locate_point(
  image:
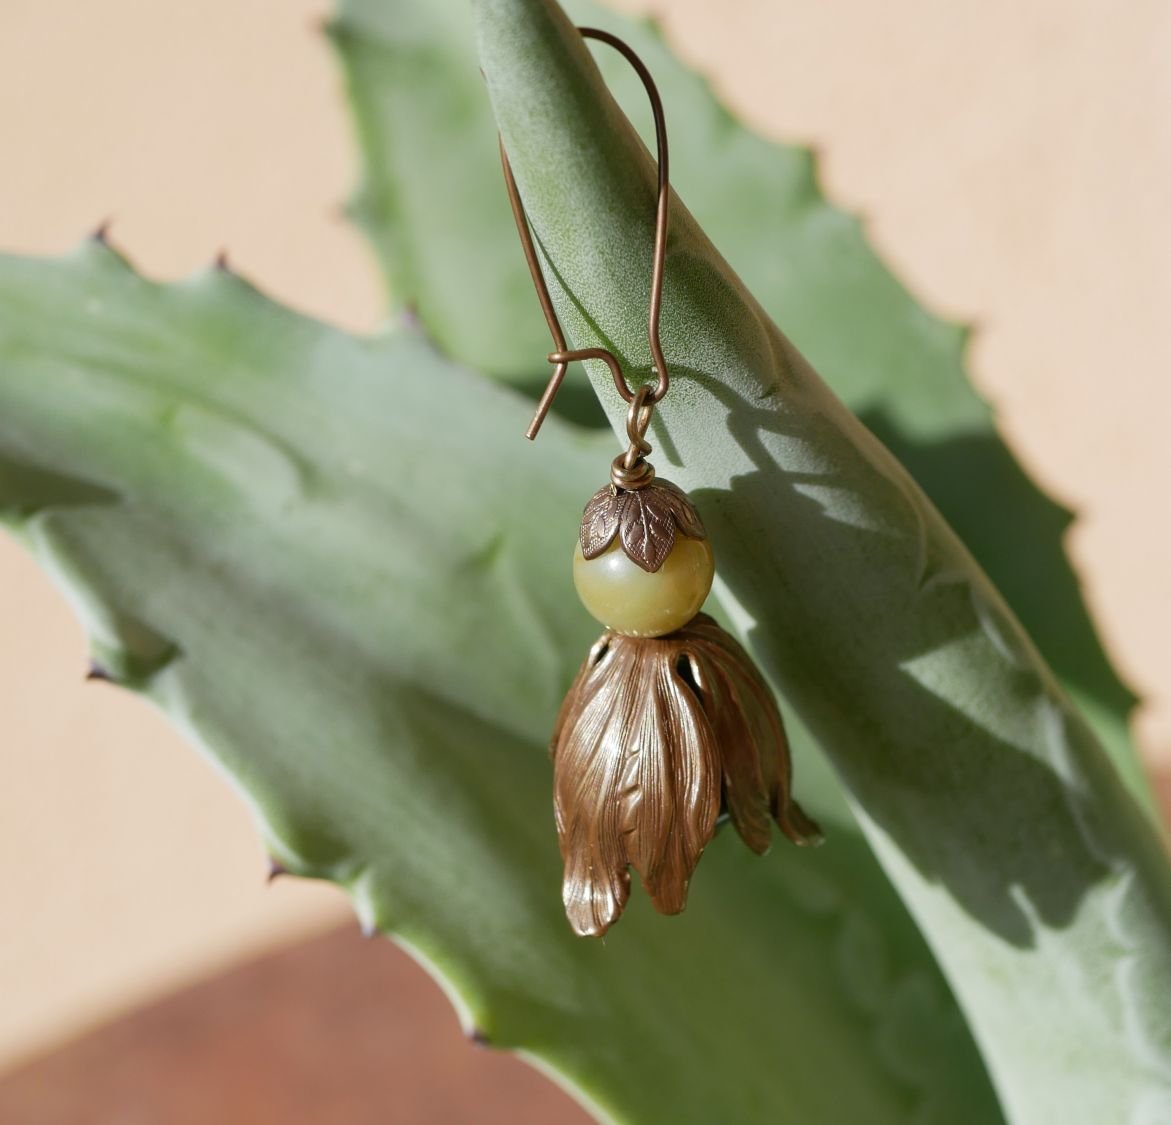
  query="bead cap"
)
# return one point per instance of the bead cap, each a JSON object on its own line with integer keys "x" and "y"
{"x": 646, "y": 520}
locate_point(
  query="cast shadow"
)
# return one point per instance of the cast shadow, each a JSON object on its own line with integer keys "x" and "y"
{"x": 996, "y": 825}
{"x": 1015, "y": 532}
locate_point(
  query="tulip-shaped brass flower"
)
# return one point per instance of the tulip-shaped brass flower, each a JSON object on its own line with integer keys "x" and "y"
{"x": 654, "y": 737}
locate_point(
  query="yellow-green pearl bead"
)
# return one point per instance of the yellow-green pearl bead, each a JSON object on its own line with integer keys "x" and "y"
{"x": 639, "y": 603}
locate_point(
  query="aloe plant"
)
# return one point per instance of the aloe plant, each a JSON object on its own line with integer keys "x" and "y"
{"x": 336, "y": 566}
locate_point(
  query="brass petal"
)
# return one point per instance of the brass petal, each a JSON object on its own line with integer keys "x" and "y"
{"x": 758, "y": 768}
{"x": 653, "y": 734}
{"x": 647, "y": 526}
{"x": 646, "y": 518}
{"x": 599, "y": 521}
{"x": 679, "y": 504}
{"x": 636, "y": 782}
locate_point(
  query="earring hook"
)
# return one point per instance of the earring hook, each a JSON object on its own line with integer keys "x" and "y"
{"x": 560, "y": 357}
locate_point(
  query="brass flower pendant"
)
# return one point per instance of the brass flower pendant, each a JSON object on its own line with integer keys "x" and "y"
{"x": 668, "y": 722}
{"x": 655, "y": 736}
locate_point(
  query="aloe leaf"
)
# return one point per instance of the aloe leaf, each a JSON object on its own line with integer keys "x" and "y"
{"x": 1036, "y": 877}
{"x": 337, "y": 566}
{"x": 425, "y": 136}
{"x": 432, "y": 188}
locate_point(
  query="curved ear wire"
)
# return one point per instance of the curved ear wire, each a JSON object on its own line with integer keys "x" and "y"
{"x": 560, "y": 357}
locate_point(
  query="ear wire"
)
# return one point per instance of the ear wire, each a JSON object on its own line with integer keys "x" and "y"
{"x": 561, "y": 356}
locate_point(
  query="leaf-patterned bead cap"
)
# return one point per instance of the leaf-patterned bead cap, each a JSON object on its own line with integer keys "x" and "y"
{"x": 646, "y": 520}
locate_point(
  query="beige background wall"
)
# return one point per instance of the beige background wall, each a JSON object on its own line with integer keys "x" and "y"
{"x": 1014, "y": 163}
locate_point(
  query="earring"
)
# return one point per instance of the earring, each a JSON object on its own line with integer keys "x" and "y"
{"x": 668, "y": 723}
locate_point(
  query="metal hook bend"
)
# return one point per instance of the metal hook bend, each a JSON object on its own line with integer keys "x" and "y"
{"x": 560, "y": 356}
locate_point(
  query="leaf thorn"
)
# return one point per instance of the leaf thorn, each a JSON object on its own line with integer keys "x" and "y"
{"x": 409, "y": 316}
{"x": 334, "y": 28}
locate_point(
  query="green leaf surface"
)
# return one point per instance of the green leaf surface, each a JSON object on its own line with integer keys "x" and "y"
{"x": 337, "y": 566}
{"x": 432, "y": 189}
{"x": 1037, "y": 878}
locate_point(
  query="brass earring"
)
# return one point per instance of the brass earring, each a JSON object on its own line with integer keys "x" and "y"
{"x": 668, "y": 722}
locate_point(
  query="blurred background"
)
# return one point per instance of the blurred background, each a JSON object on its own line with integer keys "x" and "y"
{"x": 1013, "y": 165}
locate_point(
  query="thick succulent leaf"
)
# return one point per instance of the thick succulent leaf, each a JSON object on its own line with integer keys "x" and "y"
{"x": 337, "y": 565}
{"x": 425, "y": 136}
{"x": 412, "y": 76}
{"x": 1037, "y": 878}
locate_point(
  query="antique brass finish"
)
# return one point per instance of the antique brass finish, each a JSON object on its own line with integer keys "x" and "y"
{"x": 645, "y": 518}
{"x": 653, "y": 739}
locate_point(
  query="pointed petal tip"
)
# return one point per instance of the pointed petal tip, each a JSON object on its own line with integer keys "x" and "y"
{"x": 670, "y": 903}
{"x": 759, "y": 842}
{"x": 588, "y": 924}
{"x": 750, "y": 817}
{"x": 592, "y": 909}
{"x": 669, "y": 895}
{"x": 591, "y": 929}
{"x": 802, "y": 829}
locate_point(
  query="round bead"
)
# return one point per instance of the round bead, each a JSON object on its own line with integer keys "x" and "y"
{"x": 638, "y": 603}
